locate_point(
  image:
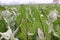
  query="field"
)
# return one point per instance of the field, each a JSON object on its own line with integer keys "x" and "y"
{"x": 30, "y": 22}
